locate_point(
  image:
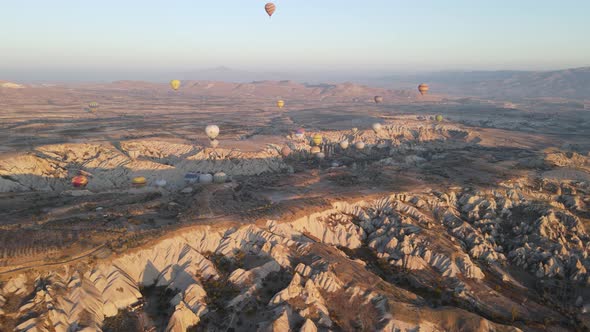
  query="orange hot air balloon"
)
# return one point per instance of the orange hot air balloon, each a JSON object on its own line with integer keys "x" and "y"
{"x": 270, "y": 8}
{"x": 79, "y": 181}
{"x": 423, "y": 88}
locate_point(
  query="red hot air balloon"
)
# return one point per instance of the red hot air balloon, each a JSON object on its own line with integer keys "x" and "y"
{"x": 270, "y": 8}
{"x": 79, "y": 181}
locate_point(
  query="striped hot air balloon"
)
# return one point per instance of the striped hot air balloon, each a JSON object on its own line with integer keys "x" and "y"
{"x": 93, "y": 106}
{"x": 270, "y": 8}
{"x": 423, "y": 88}
{"x": 300, "y": 133}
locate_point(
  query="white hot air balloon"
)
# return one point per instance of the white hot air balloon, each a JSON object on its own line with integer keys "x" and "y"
{"x": 214, "y": 143}
{"x": 376, "y": 127}
{"x": 344, "y": 144}
{"x": 160, "y": 183}
{"x": 205, "y": 178}
{"x": 212, "y": 131}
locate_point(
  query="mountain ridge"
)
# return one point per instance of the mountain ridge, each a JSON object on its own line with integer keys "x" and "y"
{"x": 571, "y": 83}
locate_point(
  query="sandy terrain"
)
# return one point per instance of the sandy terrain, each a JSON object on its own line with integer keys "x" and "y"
{"x": 475, "y": 223}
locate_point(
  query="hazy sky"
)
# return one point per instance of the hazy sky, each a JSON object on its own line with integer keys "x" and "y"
{"x": 390, "y": 35}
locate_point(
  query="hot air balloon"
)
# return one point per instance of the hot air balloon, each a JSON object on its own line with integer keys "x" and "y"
{"x": 344, "y": 144}
{"x": 285, "y": 151}
{"x": 378, "y": 99}
{"x": 359, "y": 145}
{"x": 280, "y": 104}
{"x": 138, "y": 181}
{"x": 439, "y": 118}
{"x": 270, "y": 8}
{"x": 205, "y": 178}
{"x": 317, "y": 139}
{"x": 423, "y": 88}
{"x": 93, "y": 106}
{"x": 212, "y": 131}
{"x": 320, "y": 155}
{"x": 300, "y": 133}
{"x": 219, "y": 177}
{"x": 175, "y": 84}
{"x": 315, "y": 149}
{"x": 191, "y": 177}
{"x": 79, "y": 181}
{"x": 161, "y": 183}
{"x": 355, "y": 130}
{"x": 214, "y": 143}
{"x": 376, "y": 127}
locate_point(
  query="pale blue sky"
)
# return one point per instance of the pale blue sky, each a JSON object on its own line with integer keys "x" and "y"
{"x": 389, "y": 35}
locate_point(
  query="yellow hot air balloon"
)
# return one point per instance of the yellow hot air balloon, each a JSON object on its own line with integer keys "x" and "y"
{"x": 270, "y": 8}
{"x": 280, "y": 104}
{"x": 138, "y": 181}
{"x": 423, "y": 88}
{"x": 175, "y": 84}
{"x": 317, "y": 139}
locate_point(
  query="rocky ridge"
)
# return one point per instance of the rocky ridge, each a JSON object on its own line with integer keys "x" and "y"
{"x": 452, "y": 253}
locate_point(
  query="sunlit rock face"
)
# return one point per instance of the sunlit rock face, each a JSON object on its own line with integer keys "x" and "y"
{"x": 111, "y": 166}
{"x": 310, "y": 274}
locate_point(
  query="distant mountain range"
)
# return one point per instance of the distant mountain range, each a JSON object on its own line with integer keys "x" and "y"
{"x": 568, "y": 83}
{"x": 514, "y": 85}
{"x": 273, "y": 89}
